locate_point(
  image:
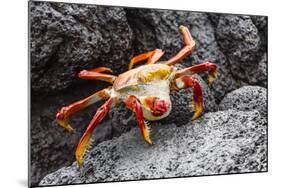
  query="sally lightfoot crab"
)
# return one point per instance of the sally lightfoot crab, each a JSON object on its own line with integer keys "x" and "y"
{"x": 145, "y": 90}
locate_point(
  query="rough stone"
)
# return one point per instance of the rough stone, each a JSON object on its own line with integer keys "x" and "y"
{"x": 246, "y": 98}
{"x": 66, "y": 38}
{"x": 240, "y": 41}
{"x": 217, "y": 143}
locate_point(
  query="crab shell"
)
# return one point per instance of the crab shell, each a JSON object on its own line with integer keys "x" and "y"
{"x": 152, "y": 80}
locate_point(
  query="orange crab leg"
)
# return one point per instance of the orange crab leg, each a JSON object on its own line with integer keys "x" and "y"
{"x": 84, "y": 141}
{"x": 101, "y": 69}
{"x": 210, "y": 67}
{"x": 93, "y": 75}
{"x": 190, "y": 81}
{"x": 152, "y": 57}
{"x": 65, "y": 112}
{"x": 133, "y": 104}
{"x": 186, "y": 50}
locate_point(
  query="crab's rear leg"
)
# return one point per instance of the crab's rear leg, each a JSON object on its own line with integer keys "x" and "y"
{"x": 186, "y": 50}
{"x": 207, "y": 66}
{"x": 65, "y": 112}
{"x": 133, "y": 104}
{"x": 84, "y": 141}
{"x": 152, "y": 56}
{"x": 190, "y": 81}
{"x": 96, "y": 74}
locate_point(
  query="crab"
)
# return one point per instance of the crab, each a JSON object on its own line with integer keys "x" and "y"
{"x": 145, "y": 90}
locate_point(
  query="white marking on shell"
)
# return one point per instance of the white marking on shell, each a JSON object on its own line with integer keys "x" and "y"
{"x": 179, "y": 83}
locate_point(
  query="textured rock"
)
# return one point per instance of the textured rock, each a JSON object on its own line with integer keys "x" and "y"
{"x": 218, "y": 143}
{"x": 67, "y": 38}
{"x": 240, "y": 41}
{"x": 238, "y": 37}
{"x": 246, "y": 98}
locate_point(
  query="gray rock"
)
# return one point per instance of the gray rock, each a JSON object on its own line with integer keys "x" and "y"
{"x": 260, "y": 22}
{"x": 66, "y": 38}
{"x": 246, "y": 98}
{"x": 217, "y": 143}
{"x": 240, "y": 41}
{"x": 238, "y": 38}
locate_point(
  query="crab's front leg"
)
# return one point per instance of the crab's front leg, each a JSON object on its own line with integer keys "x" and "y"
{"x": 133, "y": 104}
{"x": 190, "y": 81}
{"x": 66, "y": 111}
{"x": 84, "y": 141}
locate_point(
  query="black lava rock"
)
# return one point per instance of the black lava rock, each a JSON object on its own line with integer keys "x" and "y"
{"x": 240, "y": 41}
{"x": 66, "y": 38}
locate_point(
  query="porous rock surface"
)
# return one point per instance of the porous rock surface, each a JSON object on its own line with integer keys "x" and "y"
{"x": 245, "y": 47}
{"x": 246, "y": 98}
{"x": 219, "y": 142}
{"x": 66, "y": 38}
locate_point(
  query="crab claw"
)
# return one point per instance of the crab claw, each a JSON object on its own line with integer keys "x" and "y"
{"x": 197, "y": 99}
{"x": 190, "y": 81}
{"x": 213, "y": 73}
{"x": 62, "y": 119}
{"x": 146, "y": 132}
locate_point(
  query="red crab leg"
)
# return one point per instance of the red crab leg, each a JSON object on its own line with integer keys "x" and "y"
{"x": 152, "y": 57}
{"x": 94, "y": 74}
{"x": 186, "y": 50}
{"x": 133, "y": 104}
{"x": 84, "y": 141}
{"x": 65, "y": 112}
{"x": 190, "y": 81}
{"x": 210, "y": 67}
